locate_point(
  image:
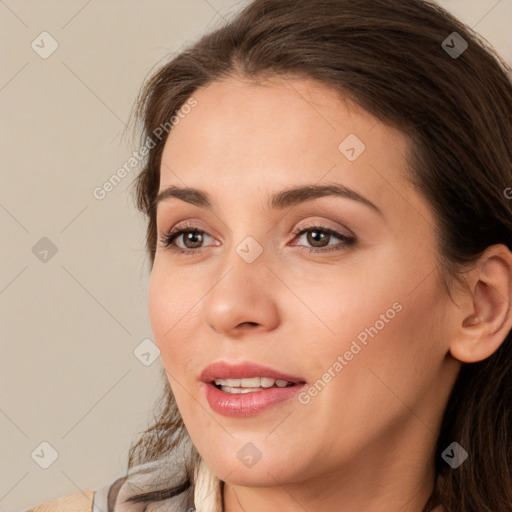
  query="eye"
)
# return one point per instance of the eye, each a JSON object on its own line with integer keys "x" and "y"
{"x": 192, "y": 237}
{"x": 319, "y": 237}
{"x": 189, "y": 234}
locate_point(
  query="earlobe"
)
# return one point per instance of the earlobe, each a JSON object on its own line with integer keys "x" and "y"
{"x": 485, "y": 319}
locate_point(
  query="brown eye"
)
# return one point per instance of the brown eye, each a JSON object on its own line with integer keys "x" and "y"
{"x": 194, "y": 238}
{"x": 319, "y": 237}
{"x": 186, "y": 238}
{"x": 191, "y": 239}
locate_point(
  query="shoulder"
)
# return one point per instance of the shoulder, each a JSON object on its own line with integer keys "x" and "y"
{"x": 79, "y": 502}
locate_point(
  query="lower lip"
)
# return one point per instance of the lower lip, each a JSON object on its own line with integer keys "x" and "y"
{"x": 247, "y": 404}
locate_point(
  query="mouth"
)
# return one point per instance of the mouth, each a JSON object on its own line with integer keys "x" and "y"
{"x": 247, "y": 389}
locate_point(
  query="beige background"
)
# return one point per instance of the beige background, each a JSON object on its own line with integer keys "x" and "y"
{"x": 70, "y": 324}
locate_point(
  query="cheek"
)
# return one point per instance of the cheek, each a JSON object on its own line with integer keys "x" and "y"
{"x": 161, "y": 312}
{"x": 173, "y": 317}
{"x": 392, "y": 331}
{"x": 397, "y": 349}
{"x": 170, "y": 312}
{"x": 389, "y": 364}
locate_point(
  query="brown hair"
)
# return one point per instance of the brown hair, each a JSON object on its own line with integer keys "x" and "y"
{"x": 387, "y": 56}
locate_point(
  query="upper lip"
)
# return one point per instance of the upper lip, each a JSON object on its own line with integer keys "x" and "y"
{"x": 248, "y": 369}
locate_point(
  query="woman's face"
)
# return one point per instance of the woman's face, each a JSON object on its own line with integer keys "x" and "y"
{"x": 354, "y": 319}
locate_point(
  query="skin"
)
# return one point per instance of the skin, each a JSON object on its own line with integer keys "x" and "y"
{"x": 366, "y": 441}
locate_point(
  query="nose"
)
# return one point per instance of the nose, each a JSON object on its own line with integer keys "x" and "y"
{"x": 243, "y": 299}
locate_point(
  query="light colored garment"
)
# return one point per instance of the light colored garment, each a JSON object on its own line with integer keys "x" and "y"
{"x": 111, "y": 497}
{"x": 203, "y": 495}
{"x": 80, "y": 502}
{"x": 147, "y": 477}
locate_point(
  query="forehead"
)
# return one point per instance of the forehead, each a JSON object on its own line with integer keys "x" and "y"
{"x": 276, "y": 112}
{"x": 276, "y": 125}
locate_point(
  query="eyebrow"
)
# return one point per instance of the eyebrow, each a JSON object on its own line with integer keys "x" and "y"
{"x": 279, "y": 200}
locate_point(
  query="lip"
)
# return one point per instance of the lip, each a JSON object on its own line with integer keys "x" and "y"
{"x": 246, "y": 404}
{"x": 223, "y": 370}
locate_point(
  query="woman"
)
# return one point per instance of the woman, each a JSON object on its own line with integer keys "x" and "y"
{"x": 330, "y": 235}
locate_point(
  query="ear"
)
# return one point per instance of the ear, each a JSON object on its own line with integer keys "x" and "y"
{"x": 485, "y": 316}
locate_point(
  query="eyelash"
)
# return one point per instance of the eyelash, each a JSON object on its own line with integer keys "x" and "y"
{"x": 167, "y": 239}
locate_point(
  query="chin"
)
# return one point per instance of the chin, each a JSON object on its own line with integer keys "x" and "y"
{"x": 229, "y": 465}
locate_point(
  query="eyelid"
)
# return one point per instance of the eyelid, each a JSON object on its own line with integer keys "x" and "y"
{"x": 319, "y": 224}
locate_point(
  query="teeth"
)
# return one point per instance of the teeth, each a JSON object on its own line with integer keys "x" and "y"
{"x": 267, "y": 382}
{"x": 250, "y": 384}
{"x": 238, "y": 391}
{"x": 255, "y": 382}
